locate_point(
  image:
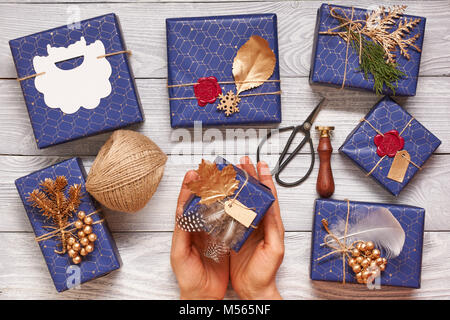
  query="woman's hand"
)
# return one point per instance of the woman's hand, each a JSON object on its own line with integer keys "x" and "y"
{"x": 198, "y": 277}
{"x": 253, "y": 269}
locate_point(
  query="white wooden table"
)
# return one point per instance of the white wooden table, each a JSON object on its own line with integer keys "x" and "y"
{"x": 144, "y": 238}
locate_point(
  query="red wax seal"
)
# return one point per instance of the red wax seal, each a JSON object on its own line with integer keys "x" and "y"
{"x": 389, "y": 143}
{"x": 206, "y": 90}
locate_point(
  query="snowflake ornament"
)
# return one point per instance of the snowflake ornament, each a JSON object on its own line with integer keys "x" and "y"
{"x": 229, "y": 103}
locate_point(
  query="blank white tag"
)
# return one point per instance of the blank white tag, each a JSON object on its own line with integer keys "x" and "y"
{"x": 239, "y": 212}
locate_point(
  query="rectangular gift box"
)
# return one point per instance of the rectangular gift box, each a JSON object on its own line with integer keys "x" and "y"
{"x": 254, "y": 195}
{"x": 78, "y": 94}
{"x": 105, "y": 257}
{"x": 385, "y": 116}
{"x": 205, "y": 47}
{"x": 329, "y": 52}
{"x": 402, "y": 271}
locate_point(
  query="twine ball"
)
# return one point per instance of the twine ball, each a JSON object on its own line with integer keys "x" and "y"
{"x": 126, "y": 172}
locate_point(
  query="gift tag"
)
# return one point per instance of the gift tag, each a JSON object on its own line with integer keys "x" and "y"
{"x": 240, "y": 212}
{"x": 399, "y": 166}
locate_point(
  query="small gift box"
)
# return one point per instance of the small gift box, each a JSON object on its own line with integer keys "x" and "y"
{"x": 227, "y": 203}
{"x": 223, "y": 70}
{"x": 76, "y": 80}
{"x": 382, "y": 245}
{"x": 71, "y": 232}
{"x": 377, "y": 50}
{"x": 390, "y": 145}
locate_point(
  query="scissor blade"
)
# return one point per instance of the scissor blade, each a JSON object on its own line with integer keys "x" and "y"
{"x": 314, "y": 113}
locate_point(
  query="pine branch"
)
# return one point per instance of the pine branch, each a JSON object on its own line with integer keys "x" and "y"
{"x": 40, "y": 200}
{"x": 73, "y": 201}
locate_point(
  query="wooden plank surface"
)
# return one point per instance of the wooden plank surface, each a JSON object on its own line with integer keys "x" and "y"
{"x": 144, "y": 238}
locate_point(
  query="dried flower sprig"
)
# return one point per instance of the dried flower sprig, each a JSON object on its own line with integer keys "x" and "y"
{"x": 54, "y": 204}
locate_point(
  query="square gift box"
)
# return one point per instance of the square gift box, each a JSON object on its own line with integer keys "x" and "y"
{"x": 399, "y": 128}
{"x": 205, "y": 47}
{"x": 254, "y": 195}
{"x": 403, "y": 271}
{"x": 105, "y": 257}
{"x": 71, "y": 88}
{"x": 329, "y": 55}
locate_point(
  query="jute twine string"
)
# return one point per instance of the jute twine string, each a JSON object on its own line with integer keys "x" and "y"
{"x": 225, "y": 82}
{"x": 339, "y": 246}
{"x": 99, "y": 57}
{"x": 126, "y": 172}
{"x": 63, "y": 230}
{"x": 380, "y": 133}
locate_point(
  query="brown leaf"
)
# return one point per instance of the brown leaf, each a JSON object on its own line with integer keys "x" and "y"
{"x": 214, "y": 184}
{"x": 254, "y": 61}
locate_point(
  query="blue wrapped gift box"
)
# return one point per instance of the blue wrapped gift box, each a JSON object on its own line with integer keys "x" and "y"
{"x": 206, "y": 46}
{"x": 254, "y": 195}
{"x": 329, "y": 52}
{"x": 402, "y": 271}
{"x": 102, "y": 91}
{"x": 105, "y": 257}
{"x": 387, "y": 115}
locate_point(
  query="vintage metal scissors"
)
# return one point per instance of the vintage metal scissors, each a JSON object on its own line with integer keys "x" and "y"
{"x": 305, "y": 128}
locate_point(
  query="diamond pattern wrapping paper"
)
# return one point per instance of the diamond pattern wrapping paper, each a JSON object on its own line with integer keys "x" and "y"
{"x": 105, "y": 257}
{"x": 387, "y": 115}
{"x": 402, "y": 271}
{"x": 329, "y": 51}
{"x": 254, "y": 195}
{"x": 206, "y": 46}
{"x": 118, "y": 108}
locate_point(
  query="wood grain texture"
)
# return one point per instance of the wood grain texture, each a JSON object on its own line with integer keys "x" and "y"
{"x": 343, "y": 109}
{"x": 143, "y": 27}
{"x": 146, "y": 273}
{"x": 425, "y": 190}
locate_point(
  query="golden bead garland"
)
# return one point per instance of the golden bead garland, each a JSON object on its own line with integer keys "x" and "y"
{"x": 366, "y": 261}
{"x": 81, "y": 245}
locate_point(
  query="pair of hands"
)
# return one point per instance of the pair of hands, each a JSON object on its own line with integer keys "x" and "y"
{"x": 252, "y": 271}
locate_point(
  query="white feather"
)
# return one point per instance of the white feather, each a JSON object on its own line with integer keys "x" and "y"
{"x": 377, "y": 225}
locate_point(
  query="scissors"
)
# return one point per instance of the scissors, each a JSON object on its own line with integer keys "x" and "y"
{"x": 305, "y": 128}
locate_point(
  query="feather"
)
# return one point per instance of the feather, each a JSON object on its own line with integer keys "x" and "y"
{"x": 377, "y": 225}
{"x": 215, "y": 250}
{"x": 191, "y": 223}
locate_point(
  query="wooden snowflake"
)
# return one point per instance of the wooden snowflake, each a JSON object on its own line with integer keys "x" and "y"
{"x": 228, "y": 103}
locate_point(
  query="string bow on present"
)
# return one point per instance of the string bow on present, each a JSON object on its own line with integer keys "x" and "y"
{"x": 375, "y": 42}
{"x": 378, "y": 227}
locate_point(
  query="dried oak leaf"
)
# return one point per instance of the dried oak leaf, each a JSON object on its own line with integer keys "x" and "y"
{"x": 213, "y": 184}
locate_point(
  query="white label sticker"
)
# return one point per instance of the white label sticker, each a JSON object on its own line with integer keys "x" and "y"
{"x": 82, "y": 86}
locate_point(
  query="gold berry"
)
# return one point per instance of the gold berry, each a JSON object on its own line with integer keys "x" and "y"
{"x": 376, "y": 253}
{"x": 370, "y": 245}
{"x": 351, "y": 262}
{"x": 359, "y": 260}
{"x": 364, "y": 263}
{"x": 89, "y": 248}
{"x": 382, "y": 267}
{"x": 358, "y": 245}
{"x": 81, "y": 215}
{"x": 79, "y": 224}
{"x": 68, "y": 247}
{"x": 83, "y": 252}
{"x": 71, "y": 241}
{"x": 363, "y": 247}
{"x": 84, "y": 241}
{"x": 76, "y": 259}
{"x": 379, "y": 261}
{"x": 72, "y": 253}
{"x": 356, "y": 268}
{"x": 81, "y": 234}
{"x": 87, "y": 229}
{"x": 355, "y": 252}
{"x": 88, "y": 220}
{"x": 76, "y": 246}
{"x": 384, "y": 260}
{"x": 92, "y": 237}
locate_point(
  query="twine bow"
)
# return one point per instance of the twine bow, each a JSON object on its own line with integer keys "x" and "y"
{"x": 380, "y": 133}
{"x": 63, "y": 231}
{"x": 353, "y": 26}
{"x": 340, "y": 247}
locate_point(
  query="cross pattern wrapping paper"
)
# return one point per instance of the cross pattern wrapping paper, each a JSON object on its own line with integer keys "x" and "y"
{"x": 206, "y": 46}
{"x": 387, "y": 115}
{"x": 105, "y": 257}
{"x": 254, "y": 195}
{"x": 79, "y": 94}
{"x": 402, "y": 271}
{"x": 329, "y": 52}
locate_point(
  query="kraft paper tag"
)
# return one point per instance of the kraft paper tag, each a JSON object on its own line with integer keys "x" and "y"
{"x": 399, "y": 166}
{"x": 239, "y": 212}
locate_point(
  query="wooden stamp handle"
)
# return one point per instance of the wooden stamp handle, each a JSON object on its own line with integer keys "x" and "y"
{"x": 325, "y": 181}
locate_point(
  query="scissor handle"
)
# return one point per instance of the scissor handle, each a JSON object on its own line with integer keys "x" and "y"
{"x": 269, "y": 134}
{"x": 282, "y": 165}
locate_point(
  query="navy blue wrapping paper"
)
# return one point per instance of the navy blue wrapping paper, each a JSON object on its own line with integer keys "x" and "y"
{"x": 387, "y": 115}
{"x": 120, "y": 108}
{"x": 105, "y": 257}
{"x": 254, "y": 195}
{"x": 206, "y": 46}
{"x": 328, "y": 58}
{"x": 402, "y": 271}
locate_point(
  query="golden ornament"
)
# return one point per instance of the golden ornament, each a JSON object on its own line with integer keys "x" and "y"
{"x": 76, "y": 259}
{"x": 84, "y": 241}
{"x": 88, "y": 220}
{"x": 228, "y": 103}
{"x": 92, "y": 237}
{"x": 81, "y": 215}
{"x": 366, "y": 261}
